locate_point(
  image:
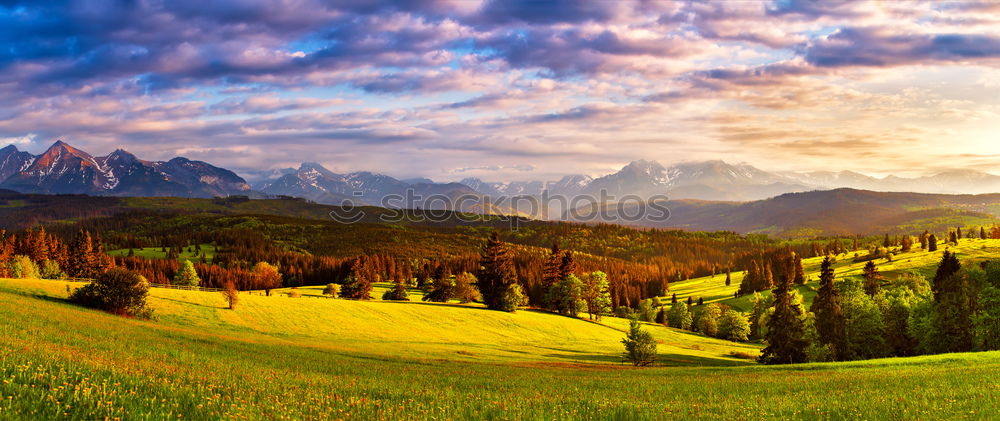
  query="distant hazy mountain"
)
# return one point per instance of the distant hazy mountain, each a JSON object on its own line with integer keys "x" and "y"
{"x": 820, "y": 213}
{"x": 65, "y": 169}
{"x": 314, "y": 182}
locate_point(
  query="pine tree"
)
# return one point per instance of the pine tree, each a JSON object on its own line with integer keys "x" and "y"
{"x": 786, "y": 333}
{"x": 551, "y": 273}
{"x": 81, "y": 257}
{"x": 907, "y": 243}
{"x": 982, "y": 233}
{"x": 800, "y": 272}
{"x": 729, "y": 279}
{"x": 953, "y": 239}
{"x": 187, "y": 276}
{"x": 873, "y": 279}
{"x": 673, "y": 299}
{"x": 830, "y": 321}
{"x": 932, "y": 243}
{"x": 954, "y": 302}
{"x": 359, "y": 284}
{"x": 958, "y": 233}
{"x": 497, "y": 276}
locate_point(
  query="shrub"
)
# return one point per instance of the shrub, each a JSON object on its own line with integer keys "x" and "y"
{"x": 331, "y": 290}
{"x": 118, "y": 291}
{"x": 640, "y": 347}
{"x": 231, "y": 295}
{"x": 624, "y": 312}
{"x": 513, "y": 298}
{"x": 294, "y": 293}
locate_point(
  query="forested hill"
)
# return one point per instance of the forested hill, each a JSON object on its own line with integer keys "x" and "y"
{"x": 832, "y": 213}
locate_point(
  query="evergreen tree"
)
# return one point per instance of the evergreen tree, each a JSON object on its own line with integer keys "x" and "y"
{"x": 551, "y": 272}
{"x": 187, "y": 276}
{"x": 800, "y": 272}
{"x": 953, "y": 239}
{"x": 954, "y": 302}
{"x": 441, "y": 287}
{"x": 958, "y": 233}
{"x": 82, "y": 261}
{"x": 359, "y": 284}
{"x": 640, "y": 347}
{"x": 397, "y": 293}
{"x": 673, "y": 299}
{"x": 932, "y": 243}
{"x": 830, "y": 321}
{"x": 886, "y": 243}
{"x": 982, "y": 233}
{"x": 497, "y": 276}
{"x": 786, "y": 333}
{"x": 873, "y": 279}
{"x": 729, "y": 279}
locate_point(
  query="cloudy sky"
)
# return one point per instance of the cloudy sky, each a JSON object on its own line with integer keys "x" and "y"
{"x": 509, "y": 89}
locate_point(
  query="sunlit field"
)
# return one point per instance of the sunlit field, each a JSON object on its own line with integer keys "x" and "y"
{"x": 319, "y": 358}
{"x": 714, "y": 289}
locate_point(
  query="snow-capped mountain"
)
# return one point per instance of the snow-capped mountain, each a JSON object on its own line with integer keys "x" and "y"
{"x": 314, "y": 182}
{"x": 63, "y": 169}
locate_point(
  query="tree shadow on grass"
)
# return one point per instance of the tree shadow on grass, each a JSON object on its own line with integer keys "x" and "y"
{"x": 188, "y": 302}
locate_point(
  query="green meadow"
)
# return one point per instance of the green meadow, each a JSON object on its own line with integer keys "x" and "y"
{"x": 280, "y": 357}
{"x": 713, "y": 288}
{"x": 157, "y": 253}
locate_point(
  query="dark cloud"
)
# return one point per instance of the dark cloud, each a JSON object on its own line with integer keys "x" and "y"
{"x": 876, "y": 48}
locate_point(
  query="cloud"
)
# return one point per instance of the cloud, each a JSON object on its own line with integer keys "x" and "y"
{"x": 414, "y": 86}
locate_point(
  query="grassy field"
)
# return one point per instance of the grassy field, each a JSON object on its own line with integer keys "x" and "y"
{"x": 316, "y": 358}
{"x": 158, "y": 253}
{"x": 714, "y": 289}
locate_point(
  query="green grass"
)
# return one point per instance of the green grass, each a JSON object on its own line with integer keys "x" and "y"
{"x": 316, "y": 358}
{"x": 158, "y": 253}
{"x": 714, "y": 289}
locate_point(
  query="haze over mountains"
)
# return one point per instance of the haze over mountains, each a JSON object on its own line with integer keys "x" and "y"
{"x": 65, "y": 169}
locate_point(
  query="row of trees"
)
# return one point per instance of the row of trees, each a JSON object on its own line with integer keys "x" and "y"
{"x": 958, "y": 311}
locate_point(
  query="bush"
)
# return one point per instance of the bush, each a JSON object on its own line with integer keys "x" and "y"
{"x": 22, "y": 267}
{"x": 331, "y": 290}
{"x": 118, "y": 291}
{"x": 640, "y": 347}
{"x": 513, "y": 298}
{"x": 624, "y": 312}
{"x": 294, "y": 293}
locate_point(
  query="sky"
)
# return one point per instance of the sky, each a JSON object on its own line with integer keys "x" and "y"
{"x": 508, "y": 90}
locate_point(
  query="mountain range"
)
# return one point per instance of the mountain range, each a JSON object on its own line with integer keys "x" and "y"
{"x": 64, "y": 169}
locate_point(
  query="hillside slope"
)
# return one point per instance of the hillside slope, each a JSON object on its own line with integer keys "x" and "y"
{"x": 714, "y": 289}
